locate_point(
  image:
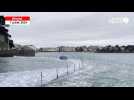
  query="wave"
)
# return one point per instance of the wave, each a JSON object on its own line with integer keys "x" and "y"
{"x": 34, "y": 78}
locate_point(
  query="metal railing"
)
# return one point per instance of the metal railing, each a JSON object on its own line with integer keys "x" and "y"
{"x": 70, "y": 69}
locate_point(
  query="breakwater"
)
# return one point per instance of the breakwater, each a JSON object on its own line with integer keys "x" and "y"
{"x": 11, "y": 53}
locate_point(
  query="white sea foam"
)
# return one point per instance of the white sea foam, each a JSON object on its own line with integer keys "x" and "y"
{"x": 33, "y": 78}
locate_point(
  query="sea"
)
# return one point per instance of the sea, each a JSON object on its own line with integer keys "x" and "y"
{"x": 82, "y": 68}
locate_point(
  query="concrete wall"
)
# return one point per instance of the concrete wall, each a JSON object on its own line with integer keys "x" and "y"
{"x": 3, "y": 46}
{"x": 2, "y": 38}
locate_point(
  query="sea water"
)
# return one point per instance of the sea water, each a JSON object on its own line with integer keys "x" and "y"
{"x": 99, "y": 69}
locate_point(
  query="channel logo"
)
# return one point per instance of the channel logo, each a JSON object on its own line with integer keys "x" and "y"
{"x": 119, "y": 20}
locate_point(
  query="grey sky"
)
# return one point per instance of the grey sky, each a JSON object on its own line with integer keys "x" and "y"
{"x": 49, "y": 29}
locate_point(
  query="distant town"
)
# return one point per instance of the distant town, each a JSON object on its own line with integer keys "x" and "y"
{"x": 95, "y": 49}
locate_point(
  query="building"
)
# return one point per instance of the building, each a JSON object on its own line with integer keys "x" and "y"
{"x": 6, "y": 44}
{"x": 5, "y": 38}
{"x": 66, "y": 49}
{"x": 49, "y": 49}
{"x": 25, "y": 50}
{"x": 93, "y": 48}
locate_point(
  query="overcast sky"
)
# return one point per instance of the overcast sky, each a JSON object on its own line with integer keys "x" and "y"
{"x": 49, "y": 29}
